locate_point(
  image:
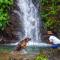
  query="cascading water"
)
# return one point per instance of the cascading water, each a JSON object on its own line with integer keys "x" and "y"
{"x": 30, "y": 19}
{"x": 28, "y": 15}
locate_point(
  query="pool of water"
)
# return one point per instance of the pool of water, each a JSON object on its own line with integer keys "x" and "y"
{"x": 30, "y": 49}
{"x": 6, "y": 48}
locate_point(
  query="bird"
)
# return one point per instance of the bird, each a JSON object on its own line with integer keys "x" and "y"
{"x": 22, "y": 44}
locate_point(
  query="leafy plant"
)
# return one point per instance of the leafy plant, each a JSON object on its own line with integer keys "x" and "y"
{"x": 7, "y": 2}
{"x": 41, "y": 57}
{"x": 49, "y": 12}
{"x": 4, "y": 13}
{"x": 4, "y": 18}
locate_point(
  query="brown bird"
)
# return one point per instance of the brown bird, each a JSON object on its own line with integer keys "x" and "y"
{"x": 22, "y": 44}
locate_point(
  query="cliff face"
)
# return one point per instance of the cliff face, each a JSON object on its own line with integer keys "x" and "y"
{"x": 9, "y": 34}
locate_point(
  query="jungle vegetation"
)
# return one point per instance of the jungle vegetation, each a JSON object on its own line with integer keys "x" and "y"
{"x": 5, "y": 6}
{"x": 50, "y": 13}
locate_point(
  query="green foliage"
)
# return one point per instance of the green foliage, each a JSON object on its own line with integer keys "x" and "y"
{"x": 4, "y": 17}
{"x": 49, "y": 12}
{"x": 4, "y": 13}
{"x": 50, "y": 23}
{"x": 41, "y": 57}
{"x": 7, "y": 2}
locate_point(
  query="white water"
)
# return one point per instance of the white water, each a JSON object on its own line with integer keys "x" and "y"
{"x": 28, "y": 14}
{"x": 34, "y": 44}
{"x": 30, "y": 19}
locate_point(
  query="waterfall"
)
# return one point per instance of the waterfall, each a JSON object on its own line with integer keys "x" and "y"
{"x": 30, "y": 20}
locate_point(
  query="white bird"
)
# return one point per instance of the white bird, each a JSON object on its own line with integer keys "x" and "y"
{"x": 54, "y": 40}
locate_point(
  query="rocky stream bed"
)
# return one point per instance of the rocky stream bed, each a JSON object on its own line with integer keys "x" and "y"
{"x": 52, "y": 54}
